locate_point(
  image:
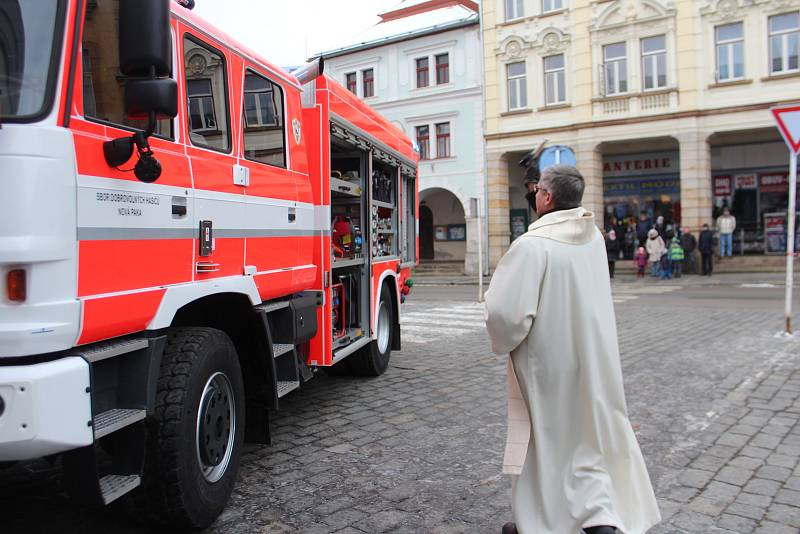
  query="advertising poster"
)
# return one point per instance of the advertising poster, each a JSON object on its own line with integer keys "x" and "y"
{"x": 775, "y": 229}
{"x": 440, "y": 233}
{"x": 722, "y": 186}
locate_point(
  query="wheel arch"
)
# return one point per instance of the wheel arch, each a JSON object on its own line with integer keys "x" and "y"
{"x": 233, "y": 314}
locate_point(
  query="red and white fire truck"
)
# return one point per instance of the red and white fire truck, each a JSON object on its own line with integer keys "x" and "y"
{"x": 187, "y": 234}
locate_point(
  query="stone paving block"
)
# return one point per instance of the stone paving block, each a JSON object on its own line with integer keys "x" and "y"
{"x": 736, "y": 523}
{"x": 773, "y": 472}
{"x": 745, "y": 462}
{"x": 745, "y": 510}
{"x": 734, "y": 475}
{"x": 770, "y": 527}
{"x": 785, "y": 515}
{"x": 760, "y": 486}
{"x": 695, "y": 478}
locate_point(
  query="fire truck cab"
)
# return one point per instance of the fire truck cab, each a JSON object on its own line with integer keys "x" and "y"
{"x": 187, "y": 234}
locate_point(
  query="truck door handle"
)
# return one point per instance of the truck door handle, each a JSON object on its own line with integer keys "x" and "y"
{"x": 179, "y": 206}
{"x": 292, "y": 215}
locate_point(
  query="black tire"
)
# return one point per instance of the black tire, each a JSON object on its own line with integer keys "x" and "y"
{"x": 373, "y": 360}
{"x": 175, "y": 491}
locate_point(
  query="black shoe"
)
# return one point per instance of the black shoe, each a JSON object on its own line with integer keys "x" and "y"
{"x": 510, "y": 528}
{"x": 603, "y": 529}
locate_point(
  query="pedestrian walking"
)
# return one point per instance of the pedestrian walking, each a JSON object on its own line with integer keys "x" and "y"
{"x": 642, "y": 227}
{"x": 630, "y": 242}
{"x": 576, "y": 463}
{"x": 676, "y": 257}
{"x": 726, "y": 224}
{"x": 655, "y": 250}
{"x": 612, "y": 251}
{"x": 689, "y": 244}
{"x": 706, "y": 247}
{"x": 640, "y": 260}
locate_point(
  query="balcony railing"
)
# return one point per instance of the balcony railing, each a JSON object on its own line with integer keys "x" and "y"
{"x": 636, "y": 104}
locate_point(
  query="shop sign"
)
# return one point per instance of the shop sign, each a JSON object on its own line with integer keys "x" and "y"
{"x": 774, "y": 183}
{"x": 644, "y": 187}
{"x": 746, "y": 181}
{"x": 640, "y": 164}
{"x": 722, "y": 186}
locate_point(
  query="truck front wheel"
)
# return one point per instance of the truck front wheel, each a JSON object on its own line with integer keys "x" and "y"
{"x": 195, "y": 439}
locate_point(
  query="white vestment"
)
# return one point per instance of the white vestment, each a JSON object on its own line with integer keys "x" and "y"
{"x": 570, "y": 441}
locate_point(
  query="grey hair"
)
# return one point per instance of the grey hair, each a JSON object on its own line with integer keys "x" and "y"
{"x": 565, "y": 183}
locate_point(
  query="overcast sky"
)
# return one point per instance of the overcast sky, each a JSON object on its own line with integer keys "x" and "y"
{"x": 283, "y": 32}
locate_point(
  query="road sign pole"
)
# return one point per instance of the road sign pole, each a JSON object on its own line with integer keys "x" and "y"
{"x": 790, "y": 239}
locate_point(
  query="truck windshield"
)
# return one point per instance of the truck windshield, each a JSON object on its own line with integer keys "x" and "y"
{"x": 28, "y": 31}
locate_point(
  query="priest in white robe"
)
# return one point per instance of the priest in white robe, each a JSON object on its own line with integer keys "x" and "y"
{"x": 577, "y": 465}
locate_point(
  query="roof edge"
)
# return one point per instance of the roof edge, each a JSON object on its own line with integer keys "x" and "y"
{"x": 337, "y": 52}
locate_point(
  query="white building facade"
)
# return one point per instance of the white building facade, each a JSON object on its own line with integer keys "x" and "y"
{"x": 420, "y": 67}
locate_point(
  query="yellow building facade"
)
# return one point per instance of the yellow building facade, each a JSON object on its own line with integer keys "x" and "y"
{"x": 664, "y": 103}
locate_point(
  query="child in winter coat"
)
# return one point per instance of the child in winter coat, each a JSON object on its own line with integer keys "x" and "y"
{"x": 640, "y": 260}
{"x": 655, "y": 249}
{"x": 676, "y": 256}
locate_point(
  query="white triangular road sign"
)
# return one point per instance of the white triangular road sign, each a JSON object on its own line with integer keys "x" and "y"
{"x": 788, "y": 119}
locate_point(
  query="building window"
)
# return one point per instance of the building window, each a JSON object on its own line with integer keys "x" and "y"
{"x": 423, "y": 141}
{"x": 654, "y": 62}
{"x": 730, "y": 51}
{"x": 615, "y": 69}
{"x": 264, "y": 138}
{"x": 784, "y": 42}
{"x": 368, "y": 82}
{"x": 422, "y": 72}
{"x": 552, "y": 5}
{"x": 517, "y": 85}
{"x": 443, "y": 140}
{"x": 351, "y": 83}
{"x": 442, "y": 69}
{"x": 514, "y": 9}
{"x": 555, "y": 91}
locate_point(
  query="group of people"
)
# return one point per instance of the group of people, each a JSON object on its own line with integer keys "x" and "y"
{"x": 668, "y": 249}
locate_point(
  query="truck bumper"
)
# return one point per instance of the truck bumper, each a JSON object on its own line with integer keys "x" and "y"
{"x": 46, "y": 408}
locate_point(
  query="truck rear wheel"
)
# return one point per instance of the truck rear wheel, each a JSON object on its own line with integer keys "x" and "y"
{"x": 373, "y": 360}
{"x": 195, "y": 440}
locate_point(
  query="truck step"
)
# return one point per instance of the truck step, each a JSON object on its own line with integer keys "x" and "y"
{"x": 112, "y": 420}
{"x": 273, "y": 306}
{"x": 279, "y": 349}
{"x": 102, "y": 351}
{"x": 115, "y": 486}
{"x": 287, "y": 386}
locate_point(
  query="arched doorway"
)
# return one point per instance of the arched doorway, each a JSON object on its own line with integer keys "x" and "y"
{"x": 443, "y": 229}
{"x": 425, "y": 233}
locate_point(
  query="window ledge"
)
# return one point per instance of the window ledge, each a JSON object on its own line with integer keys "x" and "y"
{"x": 511, "y": 113}
{"x": 534, "y": 17}
{"x": 730, "y": 83}
{"x": 437, "y": 160}
{"x": 551, "y": 13}
{"x": 649, "y": 92}
{"x": 551, "y": 107}
{"x": 781, "y": 76}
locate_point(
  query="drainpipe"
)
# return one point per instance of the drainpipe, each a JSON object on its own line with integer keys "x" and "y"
{"x": 483, "y": 141}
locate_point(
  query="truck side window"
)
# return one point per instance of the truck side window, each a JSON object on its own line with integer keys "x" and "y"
{"x": 264, "y": 135}
{"x": 207, "y": 95}
{"x": 103, "y": 84}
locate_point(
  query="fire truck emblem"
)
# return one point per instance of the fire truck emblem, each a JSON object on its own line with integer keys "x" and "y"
{"x": 297, "y": 130}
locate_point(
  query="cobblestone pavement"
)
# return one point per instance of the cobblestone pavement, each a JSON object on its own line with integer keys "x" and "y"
{"x": 712, "y": 392}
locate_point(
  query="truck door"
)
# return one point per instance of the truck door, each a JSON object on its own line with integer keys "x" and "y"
{"x": 131, "y": 242}
{"x": 219, "y": 202}
{"x": 273, "y": 221}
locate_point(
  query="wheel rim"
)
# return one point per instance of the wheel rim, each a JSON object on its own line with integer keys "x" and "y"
{"x": 216, "y": 427}
{"x": 383, "y": 327}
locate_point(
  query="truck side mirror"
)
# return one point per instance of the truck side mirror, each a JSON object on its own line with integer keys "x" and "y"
{"x": 146, "y": 56}
{"x": 145, "y": 97}
{"x": 144, "y": 38}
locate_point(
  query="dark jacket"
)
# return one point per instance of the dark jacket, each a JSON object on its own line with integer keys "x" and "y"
{"x": 612, "y": 249}
{"x": 706, "y": 245}
{"x": 688, "y": 242}
{"x": 642, "y": 227}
